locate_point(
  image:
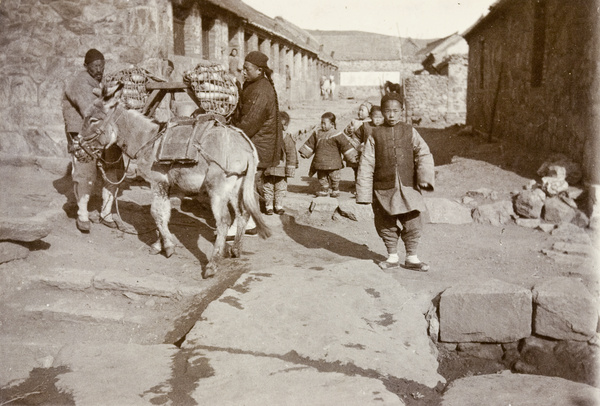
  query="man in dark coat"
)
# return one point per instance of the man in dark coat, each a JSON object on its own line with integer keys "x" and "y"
{"x": 259, "y": 116}
{"x": 77, "y": 99}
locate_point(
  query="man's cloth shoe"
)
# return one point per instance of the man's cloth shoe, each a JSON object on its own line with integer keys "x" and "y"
{"x": 83, "y": 225}
{"x": 269, "y": 212}
{"x": 322, "y": 194}
{"x": 389, "y": 265}
{"x": 416, "y": 266}
{"x": 279, "y": 211}
{"x": 335, "y": 193}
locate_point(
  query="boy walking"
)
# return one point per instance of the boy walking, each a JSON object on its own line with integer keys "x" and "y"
{"x": 328, "y": 145}
{"x": 396, "y": 165}
{"x": 275, "y": 184}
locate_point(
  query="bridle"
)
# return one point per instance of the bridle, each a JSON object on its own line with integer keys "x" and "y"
{"x": 86, "y": 143}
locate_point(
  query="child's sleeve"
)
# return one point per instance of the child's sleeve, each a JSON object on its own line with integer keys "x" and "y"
{"x": 366, "y": 168}
{"x": 424, "y": 165}
{"x": 308, "y": 148}
{"x": 346, "y": 148}
{"x": 291, "y": 156}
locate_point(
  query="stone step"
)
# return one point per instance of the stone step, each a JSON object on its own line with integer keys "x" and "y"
{"x": 117, "y": 280}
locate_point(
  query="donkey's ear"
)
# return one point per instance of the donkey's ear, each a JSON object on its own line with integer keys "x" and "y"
{"x": 108, "y": 92}
{"x": 111, "y": 95}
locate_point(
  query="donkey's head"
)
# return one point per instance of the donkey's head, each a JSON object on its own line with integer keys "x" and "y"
{"x": 99, "y": 130}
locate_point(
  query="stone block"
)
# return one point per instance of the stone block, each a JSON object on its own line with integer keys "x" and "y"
{"x": 564, "y": 310}
{"x": 528, "y": 223}
{"x": 24, "y": 229}
{"x": 572, "y": 248}
{"x": 495, "y": 214}
{"x": 444, "y": 211}
{"x": 353, "y": 211}
{"x": 154, "y": 284}
{"x": 63, "y": 278}
{"x": 494, "y": 311}
{"x": 11, "y": 252}
{"x": 529, "y": 204}
{"x": 327, "y": 205}
{"x": 545, "y": 227}
{"x": 556, "y": 211}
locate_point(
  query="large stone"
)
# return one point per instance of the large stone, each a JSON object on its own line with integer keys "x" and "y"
{"x": 345, "y": 315}
{"x": 556, "y": 211}
{"x": 518, "y": 389}
{"x": 565, "y": 310}
{"x": 573, "y": 169}
{"x": 495, "y": 214}
{"x": 528, "y": 223}
{"x": 10, "y": 252}
{"x": 529, "y": 203}
{"x": 24, "y": 229}
{"x": 256, "y": 380}
{"x": 494, "y": 311}
{"x": 444, "y": 211}
{"x": 571, "y": 233}
{"x": 136, "y": 374}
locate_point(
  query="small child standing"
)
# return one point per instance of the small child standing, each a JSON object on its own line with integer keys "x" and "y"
{"x": 275, "y": 183}
{"x": 328, "y": 145}
{"x": 396, "y": 165}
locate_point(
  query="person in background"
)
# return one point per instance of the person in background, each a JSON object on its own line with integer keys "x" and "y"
{"x": 78, "y": 97}
{"x": 355, "y": 133}
{"x": 258, "y": 118}
{"x": 331, "y": 87}
{"x": 395, "y": 167}
{"x": 328, "y": 145}
{"x": 288, "y": 86}
{"x": 235, "y": 67}
{"x": 275, "y": 186}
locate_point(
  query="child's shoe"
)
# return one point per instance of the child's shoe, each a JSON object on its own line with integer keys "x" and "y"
{"x": 416, "y": 266}
{"x": 389, "y": 265}
{"x": 335, "y": 193}
{"x": 322, "y": 193}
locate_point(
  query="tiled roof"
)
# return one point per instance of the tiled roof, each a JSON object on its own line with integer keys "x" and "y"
{"x": 358, "y": 45}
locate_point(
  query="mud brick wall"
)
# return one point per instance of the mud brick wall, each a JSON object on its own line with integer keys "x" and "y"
{"x": 436, "y": 101}
{"x": 43, "y": 43}
{"x": 554, "y": 115}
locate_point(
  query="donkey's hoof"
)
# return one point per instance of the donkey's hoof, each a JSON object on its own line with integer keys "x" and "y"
{"x": 155, "y": 248}
{"x": 169, "y": 251}
{"x": 234, "y": 252}
{"x": 209, "y": 271}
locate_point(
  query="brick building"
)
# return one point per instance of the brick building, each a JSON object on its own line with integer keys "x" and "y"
{"x": 533, "y": 77}
{"x": 42, "y": 43}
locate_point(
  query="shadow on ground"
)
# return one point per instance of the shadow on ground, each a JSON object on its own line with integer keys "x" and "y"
{"x": 316, "y": 238}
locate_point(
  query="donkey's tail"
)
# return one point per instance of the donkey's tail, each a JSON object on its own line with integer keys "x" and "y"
{"x": 250, "y": 199}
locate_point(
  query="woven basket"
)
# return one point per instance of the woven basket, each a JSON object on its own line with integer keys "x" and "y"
{"x": 134, "y": 94}
{"x": 214, "y": 87}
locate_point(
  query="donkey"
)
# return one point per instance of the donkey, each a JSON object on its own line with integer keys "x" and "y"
{"x": 226, "y": 167}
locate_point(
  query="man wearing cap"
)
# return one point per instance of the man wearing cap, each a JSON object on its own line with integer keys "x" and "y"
{"x": 77, "y": 99}
{"x": 259, "y": 116}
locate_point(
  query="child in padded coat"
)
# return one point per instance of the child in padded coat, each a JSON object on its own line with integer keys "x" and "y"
{"x": 395, "y": 166}
{"x": 275, "y": 184}
{"x": 328, "y": 145}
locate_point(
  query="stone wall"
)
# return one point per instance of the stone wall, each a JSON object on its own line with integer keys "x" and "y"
{"x": 43, "y": 42}
{"x": 436, "y": 101}
{"x": 551, "y": 116}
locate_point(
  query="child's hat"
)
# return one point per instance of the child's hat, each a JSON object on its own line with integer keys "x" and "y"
{"x": 392, "y": 96}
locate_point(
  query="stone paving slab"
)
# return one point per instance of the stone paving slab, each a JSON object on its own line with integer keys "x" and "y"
{"x": 153, "y": 284}
{"x": 66, "y": 278}
{"x": 351, "y": 313}
{"x": 18, "y": 358}
{"x": 115, "y": 373}
{"x": 76, "y": 310}
{"x": 257, "y": 380}
{"x": 519, "y": 390}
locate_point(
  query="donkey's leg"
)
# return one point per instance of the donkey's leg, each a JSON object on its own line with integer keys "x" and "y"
{"x": 161, "y": 212}
{"x": 218, "y": 202}
{"x": 241, "y": 218}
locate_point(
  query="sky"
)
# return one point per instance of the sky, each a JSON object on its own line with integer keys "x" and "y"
{"x": 406, "y": 18}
